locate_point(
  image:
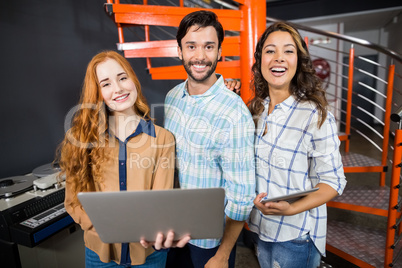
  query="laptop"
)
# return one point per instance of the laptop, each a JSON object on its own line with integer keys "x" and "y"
{"x": 129, "y": 216}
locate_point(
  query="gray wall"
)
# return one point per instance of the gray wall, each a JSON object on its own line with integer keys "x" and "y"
{"x": 45, "y": 47}
{"x": 395, "y": 43}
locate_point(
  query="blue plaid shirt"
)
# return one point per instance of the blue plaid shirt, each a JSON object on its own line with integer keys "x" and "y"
{"x": 295, "y": 155}
{"x": 214, "y": 135}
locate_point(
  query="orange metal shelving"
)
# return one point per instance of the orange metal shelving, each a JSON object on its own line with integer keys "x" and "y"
{"x": 248, "y": 20}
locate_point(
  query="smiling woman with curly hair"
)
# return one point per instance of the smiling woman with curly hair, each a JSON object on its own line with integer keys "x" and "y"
{"x": 111, "y": 133}
{"x": 296, "y": 149}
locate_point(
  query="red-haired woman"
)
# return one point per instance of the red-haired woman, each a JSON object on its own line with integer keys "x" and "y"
{"x": 113, "y": 145}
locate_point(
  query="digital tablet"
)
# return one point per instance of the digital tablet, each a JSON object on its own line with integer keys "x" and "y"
{"x": 290, "y": 197}
{"x": 129, "y": 216}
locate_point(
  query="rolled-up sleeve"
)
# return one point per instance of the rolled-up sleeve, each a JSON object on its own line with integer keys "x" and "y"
{"x": 326, "y": 161}
{"x": 239, "y": 169}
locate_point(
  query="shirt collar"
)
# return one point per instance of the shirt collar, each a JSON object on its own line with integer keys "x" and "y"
{"x": 285, "y": 105}
{"x": 213, "y": 90}
{"x": 146, "y": 127}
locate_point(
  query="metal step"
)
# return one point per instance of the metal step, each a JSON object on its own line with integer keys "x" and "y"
{"x": 359, "y": 242}
{"x": 365, "y": 195}
{"x": 358, "y": 160}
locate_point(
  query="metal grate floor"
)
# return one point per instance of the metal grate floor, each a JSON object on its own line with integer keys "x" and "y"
{"x": 358, "y": 160}
{"x": 361, "y": 242}
{"x": 365, "y": 195}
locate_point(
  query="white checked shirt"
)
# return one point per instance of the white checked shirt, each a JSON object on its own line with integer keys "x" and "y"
{"x": 214, "y": 135}
{"x": 295, "y": 155}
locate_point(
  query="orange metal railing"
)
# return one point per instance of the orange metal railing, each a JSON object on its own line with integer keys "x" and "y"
{"x": 393, "y": 200}
{"x": 387, "y": 123}
{"x": 349, "y": 98}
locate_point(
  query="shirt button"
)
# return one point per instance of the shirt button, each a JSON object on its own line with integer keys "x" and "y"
{"x": 122, "y": 183}
{"x": 122, "y": 164}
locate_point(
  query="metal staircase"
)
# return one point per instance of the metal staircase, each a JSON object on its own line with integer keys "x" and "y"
{"x": 362, "y": 120}
{"x": 242, "y": 28}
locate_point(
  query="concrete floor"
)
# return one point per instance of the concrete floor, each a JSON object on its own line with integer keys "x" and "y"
{"x": 245, "y": 257}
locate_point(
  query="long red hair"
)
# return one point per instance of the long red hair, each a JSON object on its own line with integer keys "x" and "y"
{"x": 81, "y": 153}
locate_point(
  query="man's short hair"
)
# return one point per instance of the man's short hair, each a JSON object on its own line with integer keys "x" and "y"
{"x": 202, "y": 19}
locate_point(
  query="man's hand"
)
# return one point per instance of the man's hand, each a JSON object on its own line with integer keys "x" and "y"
{"x": 162, "y": 243}
{"x": 230, "y": 235}
{"x": 233, "y": 85}
{"x": 217, "y": 262}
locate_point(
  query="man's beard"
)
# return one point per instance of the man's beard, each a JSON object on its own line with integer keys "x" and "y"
{"x": 187, "y": 67}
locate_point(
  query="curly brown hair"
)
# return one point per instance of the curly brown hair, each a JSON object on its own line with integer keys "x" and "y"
{"x": 81, "y": 153}
{"x": 305, "y": 85}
